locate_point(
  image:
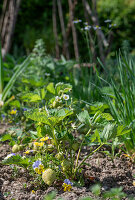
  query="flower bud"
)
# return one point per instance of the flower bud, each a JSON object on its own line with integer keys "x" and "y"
{"x": 15, "y": 148}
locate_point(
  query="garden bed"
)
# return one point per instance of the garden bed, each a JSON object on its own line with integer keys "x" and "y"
{"x": 18, "y": 184}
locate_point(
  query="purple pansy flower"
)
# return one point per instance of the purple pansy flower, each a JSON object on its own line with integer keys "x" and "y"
{"x": 68, "y": 182}
{"x": 10, "y": 155}
{"x": 36, "y": 164}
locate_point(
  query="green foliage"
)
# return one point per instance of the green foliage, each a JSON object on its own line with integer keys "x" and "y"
{"x": 113, "y": 194}
{"x": 50, "y": 196}
{"x": 120, "y": 12}
{"x": 1, "y": 73}
{"x": 123, "y": 100}
{"x": 17, "y": 73}
{"x": 16, "y": 160}
{"x": 49, "y": 118}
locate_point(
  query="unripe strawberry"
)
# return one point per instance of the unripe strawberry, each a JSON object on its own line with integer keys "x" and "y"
{"x": 15, "y": 148}
{"x": 30, "y": 145}
{"x": 59, "y": 156}
{"x": 35, "y": 148}
{"x": 19, "y": 138}
{"x": 50, "y": 147}
{"x": 21, "y": 147}
{"x": 54, "y": 104}
{"x": 22, "y": 118}
{"x": 49, "y": 176}
{"x": 65, "y": 165}
{"x": 75, "y": 146}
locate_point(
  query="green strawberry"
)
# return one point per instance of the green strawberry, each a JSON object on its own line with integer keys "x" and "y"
{"x": 49, "y": 176}
{"x": 15, "y": 148}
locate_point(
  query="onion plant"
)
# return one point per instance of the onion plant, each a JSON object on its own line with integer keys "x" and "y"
{"x": 122, "y": 98}
{"x": 4, "y": 90}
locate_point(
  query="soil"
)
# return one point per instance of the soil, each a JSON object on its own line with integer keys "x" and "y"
{"x": 101, "y": 170}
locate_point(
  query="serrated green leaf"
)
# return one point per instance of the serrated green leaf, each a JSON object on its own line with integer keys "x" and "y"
{"x": 95, "y": 136}
{"x": 62, "y": 88}
{"x": 43, "y": 93}
{"x": 98, "y": 106}
{"x": 107, "y": 132}
{"x": 31, "y": 97}
{"x": 39, "y": 131}
{"x": 61, "y": 134}
{"x": 107, "y": 116}
{"x": 38, "y": 116}
{"x": 50, "y": 88}
{"x": 5, "y": 138}
{"x": 96, "y": 190}
{"x": 84, "y": 117}
{"x": 17, "y": 160}
{"x": 15, "y": 103}
{"x": 121, "y": 130}
{"x": 115, "y": 192}
{"x": 45, "y": 117}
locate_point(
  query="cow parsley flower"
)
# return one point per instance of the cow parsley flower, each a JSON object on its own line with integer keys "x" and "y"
{"x": 86, "y": 28}
{"x": 77, "y": 21}
{"x": 96, "y": 27}
{"x": 86, "y": 23}
{"x": 112, "y": 25}
{"x": 107, "y": 21}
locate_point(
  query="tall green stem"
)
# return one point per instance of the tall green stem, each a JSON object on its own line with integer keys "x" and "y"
{"x": 87, "y": 158}
{"x": 55, "y": 140}
{"x": 1, "y": 73}
{"x": 78, "y": 155}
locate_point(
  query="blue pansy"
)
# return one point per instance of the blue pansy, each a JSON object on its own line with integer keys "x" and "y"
{"x": 25, "y": 109}
{"x": 36, "y": 164}
{"x": 68, "y": 182}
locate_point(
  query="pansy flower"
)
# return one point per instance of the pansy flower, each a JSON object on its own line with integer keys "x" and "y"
{"x": 39, "y": 144}
{"x": 13, "y": 112}
{"x": 29, "y": 151}
{"x": 67, "y": 185}
{"x": 38, "y": 167}
{"x": 44, "y": 139}
{"x": 25, "y": 109}
{"x": 10, "y": 155}
{"x": 3, "y": 117}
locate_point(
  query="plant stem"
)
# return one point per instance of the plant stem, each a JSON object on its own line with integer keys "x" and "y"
{"x": 87, "y": 158}
{"x": 1, "y": 73}
{"x": 55, "y": 140}
{"x": 78, "y": 155}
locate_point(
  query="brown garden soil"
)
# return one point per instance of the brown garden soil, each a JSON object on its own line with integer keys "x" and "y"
{"x": 101, "y": 170}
